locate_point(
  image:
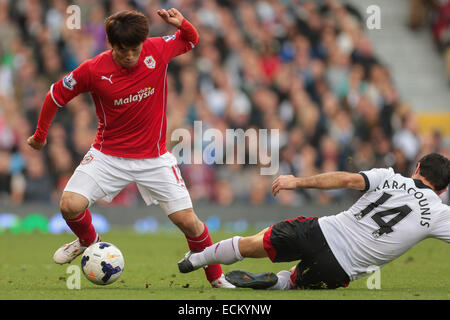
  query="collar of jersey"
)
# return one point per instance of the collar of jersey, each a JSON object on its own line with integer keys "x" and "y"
{"x": 420, "y": 184}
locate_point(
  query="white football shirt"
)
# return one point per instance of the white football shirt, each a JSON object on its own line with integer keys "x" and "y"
{"x": 392, "y": 216}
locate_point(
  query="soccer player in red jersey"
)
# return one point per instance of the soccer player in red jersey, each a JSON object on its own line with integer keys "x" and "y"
{"x": 129, "y": 87}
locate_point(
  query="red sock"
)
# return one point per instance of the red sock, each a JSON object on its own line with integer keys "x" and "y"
{"x": 199, "y": 243}
{"x": 83, "y": 228}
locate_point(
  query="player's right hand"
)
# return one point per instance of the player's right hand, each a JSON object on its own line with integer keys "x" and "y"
{"x": 34, "y": 144}
{"x": 284, "y": 182}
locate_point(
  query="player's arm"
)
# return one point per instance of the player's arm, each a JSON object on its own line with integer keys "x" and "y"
{"x": 39, "y": 139}
{"x": 59, "y": 94}
{"x": 183, "y": 40}
{"x": 329, "y": 180}
{"x": 187, "y": 31}
{"x": 176, "y": 19}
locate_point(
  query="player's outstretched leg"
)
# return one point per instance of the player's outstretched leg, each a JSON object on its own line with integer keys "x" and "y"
{"x": 222, "y": 252}
{"x": 198, "y": 238}
{"x": 227, "y": 252}
{"x": 81, "y": 225}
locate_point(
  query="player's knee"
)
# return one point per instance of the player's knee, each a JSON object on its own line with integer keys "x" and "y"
{"x": 71, "y": 205}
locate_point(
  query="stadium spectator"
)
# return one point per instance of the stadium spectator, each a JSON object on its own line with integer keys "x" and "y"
{"x": 435, "y": 15}
{"x": 38, "y": 181}
{"x": 304, "y": 67}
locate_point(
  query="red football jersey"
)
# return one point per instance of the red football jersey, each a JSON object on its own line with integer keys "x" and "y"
{"x": 130, "y": 103}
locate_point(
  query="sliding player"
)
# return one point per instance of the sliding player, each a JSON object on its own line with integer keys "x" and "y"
{"x": 393, "y": 215}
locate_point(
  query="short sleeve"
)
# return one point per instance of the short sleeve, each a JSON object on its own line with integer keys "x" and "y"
{"x": 71, "y": 85}
{"x": 375, "y": 177}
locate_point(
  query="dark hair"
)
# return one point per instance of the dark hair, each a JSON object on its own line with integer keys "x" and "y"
{"x": 436, "y": 169}
{"x": 127, "y": 28}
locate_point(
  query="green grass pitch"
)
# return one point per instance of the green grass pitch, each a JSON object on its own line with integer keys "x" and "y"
{"x": 27, "y": 271}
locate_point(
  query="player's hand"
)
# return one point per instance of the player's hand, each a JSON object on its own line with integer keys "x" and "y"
{"x": 285, "y": 182}
{"x": 171, "y": 16}
{"x": 34, "y": 144}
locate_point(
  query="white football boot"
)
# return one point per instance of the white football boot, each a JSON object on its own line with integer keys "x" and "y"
{"x": 68, "y": 252}
{"x": 221, "y": 282}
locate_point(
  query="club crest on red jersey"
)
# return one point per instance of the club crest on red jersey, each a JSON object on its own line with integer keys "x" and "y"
{"x": 150, "y": 62}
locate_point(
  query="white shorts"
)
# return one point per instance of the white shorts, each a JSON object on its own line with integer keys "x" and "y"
{"x": 101, "y": 176}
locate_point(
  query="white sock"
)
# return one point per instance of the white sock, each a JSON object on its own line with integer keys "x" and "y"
{"x": 222, "y": 252}
{"x": 284, "y": 281}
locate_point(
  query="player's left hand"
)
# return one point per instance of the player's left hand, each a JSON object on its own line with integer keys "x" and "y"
{"x": 284, "y": 182}
{"x": 171, "y": 16}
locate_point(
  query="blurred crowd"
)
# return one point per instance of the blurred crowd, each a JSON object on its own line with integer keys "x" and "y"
{"x": 305, "y": 68}
{"x": 435, "y": 15}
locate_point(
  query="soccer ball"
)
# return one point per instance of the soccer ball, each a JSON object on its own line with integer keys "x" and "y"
{"x": 102, "y": 263}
